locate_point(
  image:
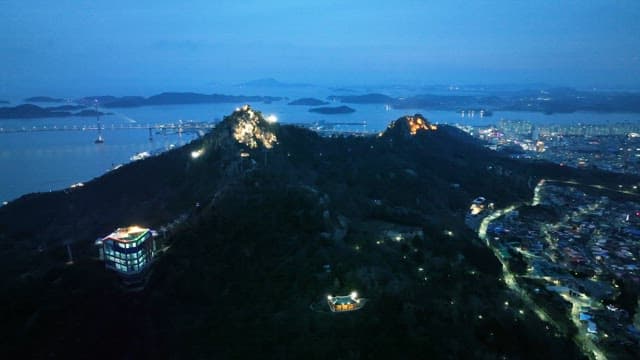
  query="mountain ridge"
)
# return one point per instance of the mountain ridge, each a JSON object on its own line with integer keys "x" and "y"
{"x": 275, "y": 204}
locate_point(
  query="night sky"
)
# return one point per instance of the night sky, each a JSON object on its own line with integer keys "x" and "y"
{"x": 69, "y": 47}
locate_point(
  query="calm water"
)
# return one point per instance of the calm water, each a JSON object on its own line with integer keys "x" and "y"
{"x": 46, "y": 161}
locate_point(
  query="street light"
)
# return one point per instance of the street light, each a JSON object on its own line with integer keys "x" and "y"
{"x": 272, "y": 119}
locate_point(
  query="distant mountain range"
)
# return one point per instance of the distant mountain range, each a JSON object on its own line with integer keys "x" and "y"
{"x": 45, "y": 99}
{"x": 29, "y": 111}
{"x": 557, "y": 100}
{"x": 173, "y": 98}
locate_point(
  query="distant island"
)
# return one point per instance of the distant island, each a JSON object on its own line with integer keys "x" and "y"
{"x": 332, "y": 110}
{"x": 30, "y": 111}
{"x": 44, "y": 99}
{"x": 66, "y": 107}
{"x": 549, "y": 101}
{"x": 308, "y": 102}
{"x": 172, "y": 98}
{"x": 364, "y": 99}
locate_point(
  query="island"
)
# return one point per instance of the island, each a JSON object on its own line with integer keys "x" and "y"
{"x": 30, "y": 111}
{"x": 173, "y": 98}
{"x": 66, "y": 107}
{"x": 328, "y": 110}
{"x": 45, "y": 99}
{"x": 548, "y": 101}
{"x": 308, "y": 102}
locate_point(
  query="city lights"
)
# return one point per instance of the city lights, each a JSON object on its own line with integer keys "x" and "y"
{"x": 197, "y": 153}
{"x": 271, "y": 119}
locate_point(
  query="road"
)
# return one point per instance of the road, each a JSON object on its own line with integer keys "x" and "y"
{"x": 577, "y": 301}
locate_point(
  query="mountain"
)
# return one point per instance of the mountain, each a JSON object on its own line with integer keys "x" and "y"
{"x": 29, "y": 111}
{"x": 261, "y": 226}
{"x": 555, "y": 100}
{"x": 45, "y": 99}
{"x": 172, "y": 98}
{"x": 65, "y": 107}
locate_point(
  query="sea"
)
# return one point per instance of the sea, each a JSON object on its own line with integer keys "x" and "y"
{"x": 43, "y": 161}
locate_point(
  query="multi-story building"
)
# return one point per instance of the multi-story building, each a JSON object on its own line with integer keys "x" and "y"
{"x": 128, "y": 251}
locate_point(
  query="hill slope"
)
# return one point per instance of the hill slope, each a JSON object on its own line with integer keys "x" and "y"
{"x": 245, "y": 272}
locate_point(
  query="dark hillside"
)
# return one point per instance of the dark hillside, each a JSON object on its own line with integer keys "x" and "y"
{"x": 286, "y": 218}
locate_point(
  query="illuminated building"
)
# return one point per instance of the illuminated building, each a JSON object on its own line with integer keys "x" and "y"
{"x": 128, "y": 251}
{"x": 350, "y": 302}
{"x": 477, "y": 206}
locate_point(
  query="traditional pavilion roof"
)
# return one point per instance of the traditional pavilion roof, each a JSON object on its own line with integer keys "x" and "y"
{"x": 341, "y": 300}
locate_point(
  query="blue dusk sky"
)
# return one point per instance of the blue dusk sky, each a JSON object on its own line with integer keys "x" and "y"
{"x": 140, "y": 47}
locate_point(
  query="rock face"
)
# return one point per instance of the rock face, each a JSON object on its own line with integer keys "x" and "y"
{"x": 408, "y": 126}
{"x": 247, "y": 127}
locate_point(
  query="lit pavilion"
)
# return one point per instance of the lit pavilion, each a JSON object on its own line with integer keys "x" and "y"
{"x": 349, "y": 302}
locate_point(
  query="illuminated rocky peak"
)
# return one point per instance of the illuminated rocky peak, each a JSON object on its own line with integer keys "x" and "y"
{"x": 410, "y": 125}
{"x": 250, "y": 128}
{"x": 418, "y": 123}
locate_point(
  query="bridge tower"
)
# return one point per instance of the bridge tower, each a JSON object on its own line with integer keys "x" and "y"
{"x": 100, "y": 139}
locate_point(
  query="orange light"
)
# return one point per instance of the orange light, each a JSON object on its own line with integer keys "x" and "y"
{"x": 416, "y": 124}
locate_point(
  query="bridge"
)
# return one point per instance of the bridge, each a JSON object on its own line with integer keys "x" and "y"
{"x": 323, "y": 128}
{"x": 181, "y": 127}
